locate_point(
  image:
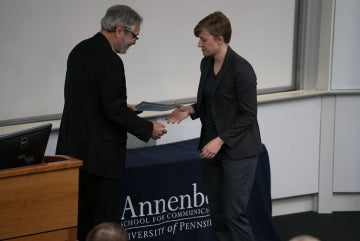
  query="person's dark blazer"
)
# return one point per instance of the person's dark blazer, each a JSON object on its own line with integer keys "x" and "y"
{"x": 95, "y": 119}
{"x": 234, "y": 105}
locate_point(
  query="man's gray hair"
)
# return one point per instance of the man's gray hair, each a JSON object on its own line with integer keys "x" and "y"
{"x": 120, "y": 15}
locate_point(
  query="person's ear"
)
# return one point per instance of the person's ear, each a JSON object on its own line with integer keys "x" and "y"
{"x": 220, "y": 39}
{"x": 119, "y": 31}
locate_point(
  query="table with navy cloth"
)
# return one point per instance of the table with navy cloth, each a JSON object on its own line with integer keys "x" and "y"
{"x": 163, "y": 196}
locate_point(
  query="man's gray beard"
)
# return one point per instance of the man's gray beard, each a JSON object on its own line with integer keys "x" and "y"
{"x": 124, "y": 48}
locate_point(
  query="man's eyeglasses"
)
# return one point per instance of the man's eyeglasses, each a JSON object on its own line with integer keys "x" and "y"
{"x": 135, "y": 36}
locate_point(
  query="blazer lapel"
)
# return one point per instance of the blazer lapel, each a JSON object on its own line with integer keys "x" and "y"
{"x": 205, "y": 66}
{"x": 224, "y": 68}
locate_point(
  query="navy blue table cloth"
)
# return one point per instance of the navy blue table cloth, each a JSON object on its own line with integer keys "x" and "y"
{"x": 163, "y": 197}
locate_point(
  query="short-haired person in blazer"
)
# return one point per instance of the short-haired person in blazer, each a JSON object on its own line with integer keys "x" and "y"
{"x": 96, "y": 116}
{"x": 230, "y": 137}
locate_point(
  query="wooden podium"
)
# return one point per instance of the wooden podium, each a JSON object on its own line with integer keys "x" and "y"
{"x": 40, "y": 202}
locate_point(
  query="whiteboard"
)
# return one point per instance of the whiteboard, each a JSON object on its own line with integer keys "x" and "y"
{"x": 37, "y": 36}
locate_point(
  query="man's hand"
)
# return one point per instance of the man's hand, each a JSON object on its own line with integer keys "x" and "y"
{"x": 131, "y": 107}
{"x": 158, "y": 130}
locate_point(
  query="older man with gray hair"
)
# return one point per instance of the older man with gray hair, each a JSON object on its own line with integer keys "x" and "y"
{"x": 96, "y": 117}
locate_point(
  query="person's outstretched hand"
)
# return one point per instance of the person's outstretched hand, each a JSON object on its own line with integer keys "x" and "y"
{"x": 180, "y": 113}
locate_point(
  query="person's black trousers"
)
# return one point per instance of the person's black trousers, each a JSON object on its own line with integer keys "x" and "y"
{"x": 99, "y": 201}
{"x": 228, "y": 185}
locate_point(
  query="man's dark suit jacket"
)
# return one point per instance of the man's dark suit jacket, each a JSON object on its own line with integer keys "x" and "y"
{"x": 95, "y": 118}
{"x": 234, "y": 105}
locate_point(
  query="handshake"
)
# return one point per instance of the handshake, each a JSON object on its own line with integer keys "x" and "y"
{"x": 179, "y": 114}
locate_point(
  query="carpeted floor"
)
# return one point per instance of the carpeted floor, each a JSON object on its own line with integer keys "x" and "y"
{"x": 338, "y": 226}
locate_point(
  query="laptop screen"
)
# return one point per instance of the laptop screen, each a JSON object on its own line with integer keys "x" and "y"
{"x": 25, "y": 147}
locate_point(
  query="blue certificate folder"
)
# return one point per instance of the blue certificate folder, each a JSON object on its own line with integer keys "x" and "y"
{"x": 151, "y": 106}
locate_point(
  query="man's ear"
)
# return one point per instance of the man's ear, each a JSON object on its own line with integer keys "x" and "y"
{"x": 119, "y": 31}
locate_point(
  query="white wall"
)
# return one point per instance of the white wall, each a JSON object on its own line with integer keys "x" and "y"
{"x": 291, "y": 130}
{"x": 347, "y": 144}
{"x": 346, "y": 50}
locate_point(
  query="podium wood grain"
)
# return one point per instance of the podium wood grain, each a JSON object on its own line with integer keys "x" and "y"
{"x": 39, "y": 202}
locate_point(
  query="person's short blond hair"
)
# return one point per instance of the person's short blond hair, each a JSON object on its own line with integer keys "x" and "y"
{"x": 107, "y": 232}
{"x": 304, "y": 238}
